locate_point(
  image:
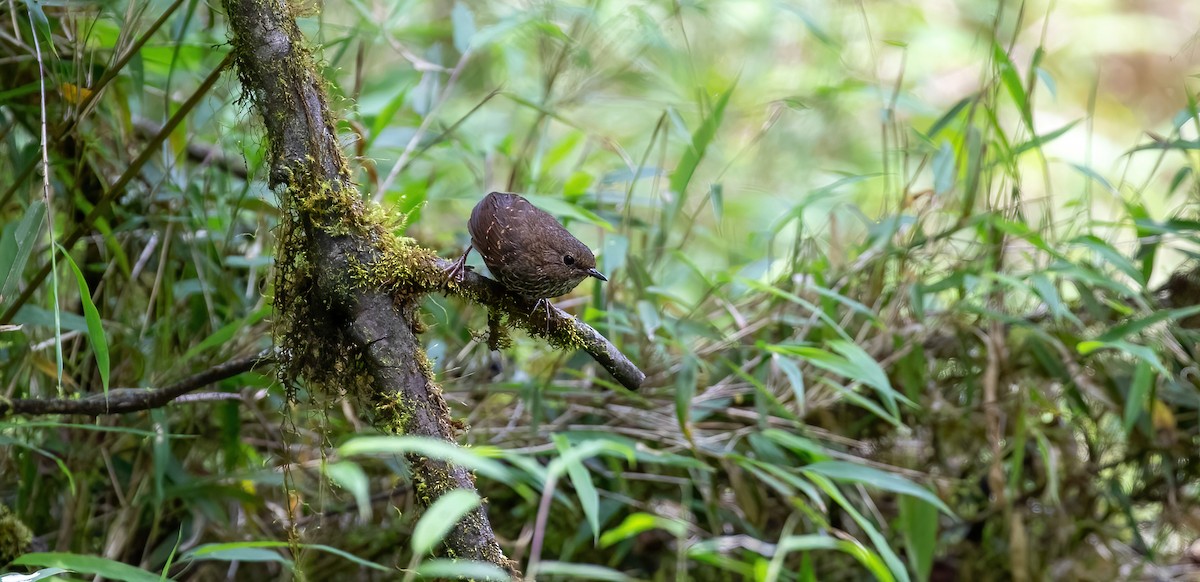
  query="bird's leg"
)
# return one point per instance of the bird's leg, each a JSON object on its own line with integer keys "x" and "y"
{"x": 542, "y": 303}
{"x": 459, "y": 268}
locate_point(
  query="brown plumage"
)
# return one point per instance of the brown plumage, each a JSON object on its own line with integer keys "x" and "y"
{"x": 526, "y": 249}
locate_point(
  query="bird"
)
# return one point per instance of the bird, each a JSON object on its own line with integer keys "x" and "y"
{"x": 526, "y": 249}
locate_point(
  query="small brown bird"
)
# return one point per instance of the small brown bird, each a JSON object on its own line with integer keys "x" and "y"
{"x": 526, "y": 249}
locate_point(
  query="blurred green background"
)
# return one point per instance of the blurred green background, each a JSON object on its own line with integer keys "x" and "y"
{"x": 912, "y": 283}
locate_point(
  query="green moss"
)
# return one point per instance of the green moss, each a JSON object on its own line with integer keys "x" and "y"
{"x": 15, "y": 536}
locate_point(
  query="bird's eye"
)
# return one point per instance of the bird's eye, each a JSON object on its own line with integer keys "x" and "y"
{"x": 568, "y": 259}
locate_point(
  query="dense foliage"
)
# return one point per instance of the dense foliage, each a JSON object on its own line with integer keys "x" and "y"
{"x": 911, "y": 282}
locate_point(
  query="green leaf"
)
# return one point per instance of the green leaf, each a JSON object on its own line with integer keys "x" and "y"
{"x": 560, "y": 207}
{"x": 1174, "y": 144}
{"x": 352, "y": 478}
{"x": 685, "y": 390}
{"x": 805, "y": 447}
{"x": 1142, "y": 353}
{"x": 869, "y": 372}
{"x": 944, "y": 166}
{"x": 949, "y": 116}
{"x": 589, "y": 500}
{"x": 226, "y": 333}
{"x": 877, "y": 539}
{"x": 1136, "y": 326}
{"x": 863, "y": 554}
{"x": 584, "y": 450}
{"x": 388, "y": 112}
{"x": 716, "y": 195}
{"x": 15, "y": 246}
{"x": 446, "y": 569}
{"x": 430, "y": 447}
{"x": 95, "y": 327}
{"x": 441, "y": 517}
{"x": 639, "y": 522}
{"x": 1041, "y": 140}
{"x": 853, "y": 363}
{"x": 235, "y": 550}
{"x": 1110, "y": 254}
{"x": 692, "y": 156}
{"x": 1138, "y": 399}
{"x": 919, "y": 526}
{"x": 580, "y": 571}
{"x": 9, "y": 441}
{"x": 239, "y": 552}
{"x": 795, "y": 378}
{"x": 82, "y": 564}
{"x": 34, "y": 577}
{"x": 872, "y": 477}
{"x": 1090, "y": 173}
{"x": 463, "y": 21}
{"x": 1012, "y": 82}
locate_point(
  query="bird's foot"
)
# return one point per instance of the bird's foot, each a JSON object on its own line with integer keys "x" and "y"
{"x": 458, "y": 270}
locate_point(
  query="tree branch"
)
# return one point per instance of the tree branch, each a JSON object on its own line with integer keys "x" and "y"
{"x": 122, "y": 400}
{"x": 562, "y": 330}
{"x": 338, "y": 320}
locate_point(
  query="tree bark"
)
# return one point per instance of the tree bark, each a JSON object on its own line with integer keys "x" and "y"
{"x": 338, "y": 244}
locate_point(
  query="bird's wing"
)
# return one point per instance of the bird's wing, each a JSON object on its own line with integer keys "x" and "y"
{"x": 494, "y": 222}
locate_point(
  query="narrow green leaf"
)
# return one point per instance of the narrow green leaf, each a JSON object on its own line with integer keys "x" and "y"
{"x": 8, "y": 441}
{"x": 463, "y": 21}
{"x": 15, "y": 249}
{"x": 352, "y": 478}
{"x": 1041, "y": 140}
{"x": 447, "y": 569}
{"x": 1133, "y": 327}
{"x": 1012, "y": 82}
{"x": 872, "y": 477}
{"x": 587, "y": 449}
{"x": 944, "y": 169}
{"x": 82, "y": 564}
{"x": 585, "y": 490}
{"x": 386, "y": 114}
{"x": 1174, "y": 144}
{"x": 692, "y": 156}
{"x": 949, "y": 116}
{"x": 685, "y": 390}
{"x": 571, "y": 571}
{"x": 258, "y": 551}
{"x": 1096, "y": 177}
{"x": 35, "y": 576}
{"x": 716, "y": 195}
{"x": 1111, "y": 255}
{"x": 877, "y": 539}
{"x": 441, "y": 517}
{"x": 240, "y": 553}
{"x": 639, "y": 522}
{"x": 1142, "y": 353}
{"x": 1138, "y": 401}
{"x": 226, "y": 333}
{"x": 95, "y": 327}
{"x": 919, "y": 526}
{"x": 870, "y": 373}
{"x": 863, "y": 554}
{"x": 794, "y": 376}
{"x": 438, "y": 449}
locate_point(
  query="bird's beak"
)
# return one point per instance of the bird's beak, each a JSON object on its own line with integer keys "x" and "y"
{"x": 597, "y": 274}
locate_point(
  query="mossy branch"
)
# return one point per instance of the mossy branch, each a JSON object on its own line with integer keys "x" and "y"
{"x": 562, "y": 330}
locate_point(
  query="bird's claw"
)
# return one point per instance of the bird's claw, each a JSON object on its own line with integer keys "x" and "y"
{"x": 458, "y": 270}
